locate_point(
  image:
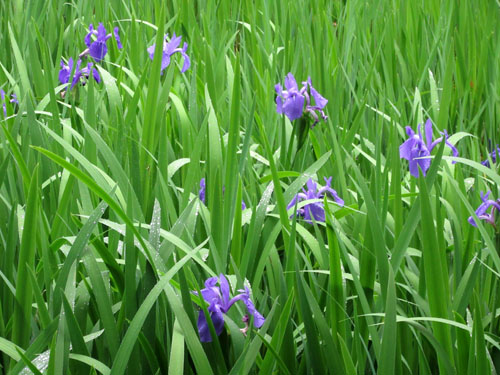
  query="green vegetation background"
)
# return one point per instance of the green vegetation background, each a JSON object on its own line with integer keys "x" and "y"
{"x": 102, "y": 237}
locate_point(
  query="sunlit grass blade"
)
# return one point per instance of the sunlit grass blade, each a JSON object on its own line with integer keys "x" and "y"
{"x": 176, "y": 364}
{"x": 28, "y": 363}
{"x": 91, "y": 362}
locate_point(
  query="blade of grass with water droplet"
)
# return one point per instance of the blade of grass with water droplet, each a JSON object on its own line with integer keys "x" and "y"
{"x": 39, "y": 344}
{"x": 28, "y": 363}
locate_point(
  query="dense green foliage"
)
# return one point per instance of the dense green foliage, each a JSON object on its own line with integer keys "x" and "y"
{"x": 103, "y": 237}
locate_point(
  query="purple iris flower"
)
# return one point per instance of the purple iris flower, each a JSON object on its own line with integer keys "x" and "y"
{"x": 291, "y": 101}
{"x": 316, "y": 209}
{"x": 415, "y": 147}
{"x": 217, "y": 298}
{"x": 319, "y": 101}
{"x": 169, "y": 48}
{"x": 202, "y": 192}
{"x": 78, "y": 74}
{"x": 493, "y": 155}
{"x": 483, "y": 207}
{"x": 12, "y": 100}
{"x": 98, "y": 48}
{"x": 2, "y": 94}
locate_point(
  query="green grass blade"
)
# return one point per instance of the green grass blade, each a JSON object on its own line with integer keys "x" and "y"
{"x": 389, "y": 338}
{"x": 435, "y": 278}
{"x": 176, "y": 364}
{"x": 104, "y": 303}
{"x": 21, "y": 332}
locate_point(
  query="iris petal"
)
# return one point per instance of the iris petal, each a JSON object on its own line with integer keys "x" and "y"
{"x": 428, "y": 134}
{"x": 98, "y": 50}
{"x": 416, "y": 150}
{"x": 219, "y": 303}
{"x": 294, "y": 106}
{"x": 187, "y": 61}
{"x": 224, "y": 287}
{"x": 315, "y": 210}
{"x": 217, "y": 319}
{"x": 258, "y": 319}
{"x": 291, "y": 83}
{"x": 88, "y": 37}
{"x": 101, "y": 32}
{"x": 169, "y": 48}
{"x": 318, "y": 99}
{"x": 201, "y": 192}
{"x": 291, "y": 101}
{"x": 117, "y": 37}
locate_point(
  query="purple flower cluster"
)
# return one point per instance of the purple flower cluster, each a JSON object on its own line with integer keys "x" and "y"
{"x": 291, "y": 101}
{"x": 483, "y": 207}
{"x": 169, "y": 48}
{"x": 493, "y": 156}
{"x": 12, "y": 100}
{"x": 97, "y": 48}
{"x": 219, "y": 303}
{"x": 96, "y": 42}
{"x": 78, "y": 74}
{"x": 315, "y": 210}
{"x": 416, "y": 150}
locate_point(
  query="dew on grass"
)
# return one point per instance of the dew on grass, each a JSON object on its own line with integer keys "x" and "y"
{"x": 41, "y": 363}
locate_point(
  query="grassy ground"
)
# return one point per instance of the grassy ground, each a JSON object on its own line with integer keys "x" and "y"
{"x": 103, "y": 237}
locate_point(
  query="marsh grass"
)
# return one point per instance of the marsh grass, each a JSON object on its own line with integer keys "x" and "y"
{"x": 103, "y": 239}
